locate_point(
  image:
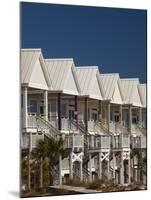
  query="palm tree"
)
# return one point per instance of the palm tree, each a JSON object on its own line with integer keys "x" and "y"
{"x": 48, "y": 151}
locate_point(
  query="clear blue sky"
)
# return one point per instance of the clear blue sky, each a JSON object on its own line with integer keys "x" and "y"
{"x": 113, "y": 39}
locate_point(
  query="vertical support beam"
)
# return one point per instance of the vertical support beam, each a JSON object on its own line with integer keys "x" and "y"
{"x": 140, "y": 116}
{"x": 108, "y": 116}
{"x": 46, "y": 104}
{"x": 130, "y": 119}
{"x": 60, "y": 168}
{"x": 114, "y": 163}
{"x": 30, "y": 142}
{"x": 41, "y": 172}
{"x": 76, "y": 109}
{"x": 100, "y": 166}
{"x": 100, "y": 110}
{"x": 129, "y": 171}
{"x": 59, "y": 111}
{"x": 108, "y": 170}
{"x": 122, "y": 170}
{"x": 86, "y": 114}
{"x": 29, "y": 176}
{"x": 25, "y": 108}
{"x": 70, "y": 166}
{"x": 81, "y": 171}
{"x": 121, "y": 121}
{"x": 90, "y": 167}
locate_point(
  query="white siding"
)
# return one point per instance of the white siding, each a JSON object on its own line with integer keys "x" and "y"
{"x": 37, "y": 79}
{"x": 117, "y": 96}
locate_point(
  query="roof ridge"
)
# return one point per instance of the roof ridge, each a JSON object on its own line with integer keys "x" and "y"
{"x": 59, "y": 59}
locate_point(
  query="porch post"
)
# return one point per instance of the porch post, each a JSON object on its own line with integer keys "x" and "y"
{"x": 114, "y": 163}
{"x": 60, "y": 168}
{"x": 90, "y": 167}
{"x": 121, "y": 122}
{"x": 46, "y": 104}
{"x": 122, "y": 170}
{"x": 140, "y": 116}
{"x": 130, "y": 118}
{"x": 29, "y": 176}
{"x": 100, "y": 110}
{"x": 100, "y": 165}
{"x": 76, "y": 109}
{"x": 129, "y": 171}
{"x": 86, "y": 114}
{"x": 59, "y": 111}
{"x": 81, "y": 171}
{"x": 70, "y": 166}
{"x": 108, "y": 117}
{"x": 25, "y": 108}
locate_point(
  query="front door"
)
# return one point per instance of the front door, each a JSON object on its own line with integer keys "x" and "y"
{"x": 116, "y": 116}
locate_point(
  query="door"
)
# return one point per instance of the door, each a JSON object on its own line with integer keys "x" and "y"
{"x": 116, "y": 116}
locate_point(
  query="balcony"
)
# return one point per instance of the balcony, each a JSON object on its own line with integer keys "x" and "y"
{"x": 72, "y": 141}
{"x": 29, "y": 141}
{"x": 98, "y": 142}
{"x": 120, "y": 142}
{"x": 138, "y": 142}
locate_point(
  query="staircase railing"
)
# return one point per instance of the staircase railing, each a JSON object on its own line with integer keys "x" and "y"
{"x": 47, "y": 128}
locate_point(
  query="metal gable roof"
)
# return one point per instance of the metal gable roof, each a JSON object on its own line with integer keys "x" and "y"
{"x": 142, "y": 92}
{"x": 31, "y": 62}
{"x": 130, "y": 91}
{"x": 60, "y": 72}
{"x": 88, "y": 80}
{"x": 109, "y": 82}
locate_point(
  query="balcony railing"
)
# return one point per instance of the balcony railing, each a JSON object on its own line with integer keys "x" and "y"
{"x": 74, "y": 141}
{"x": 99, "y": 142}
{"x": 30, "y": 141}
{"x": 138, "y": 142}
{"x": 120, "y": 141}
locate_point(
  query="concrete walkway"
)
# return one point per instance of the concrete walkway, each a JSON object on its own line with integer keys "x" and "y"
{"x": 75, "y": 189}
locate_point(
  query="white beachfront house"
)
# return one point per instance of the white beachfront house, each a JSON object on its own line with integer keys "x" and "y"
{"x": 101, "y": 118}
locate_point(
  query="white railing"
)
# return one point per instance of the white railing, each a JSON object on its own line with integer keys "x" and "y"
{"x": 99, "y": 142}
{"x": 120, "y": 141}
{"x": 138, "y": 142}
{"x": 74, "y": 141}
{"x": 30, "y": 141}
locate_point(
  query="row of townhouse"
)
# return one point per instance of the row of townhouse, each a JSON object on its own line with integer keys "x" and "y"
{"x": 101, "y": 117}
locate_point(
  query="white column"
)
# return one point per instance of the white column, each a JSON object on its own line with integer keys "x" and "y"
{"x": 60, "y": 168}
{"x": 121, "y": 115}
{"x": 25, "y": 109}
{"x": 90, "y": 167}
{"x": 29, "y": 176}
{"x": 108, "y": 116}
{"x": 81, "y": 171}
{"x": 70, "y": 166}
{"x": 130, "y": 118}
{"x": 140, "y": 116}
{"x": 46, "y": 104}
{"x": 108, "y": 170}
{"x": 100, "y": 166}
{"x": 30, "y": 142}
{"x": 122, "y": 170}
{"x": 114, "y": 163}
{"x": 129, "y": 171}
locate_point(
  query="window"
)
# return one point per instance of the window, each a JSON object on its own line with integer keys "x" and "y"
{"x": 94, "y": 116}
{"x": 64, "y": 110}
{"x": 32, "y": 106}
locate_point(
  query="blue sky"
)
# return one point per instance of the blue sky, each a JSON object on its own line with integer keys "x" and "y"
{"x": 113, "y": 39}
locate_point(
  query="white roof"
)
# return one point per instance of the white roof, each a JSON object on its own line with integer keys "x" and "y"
{"x": 33, "y": 69}
{"x": 112, "y": 87}
{"x": 130, "y": 91}
{"x": 88, "y": 77}
{"x": 63, "y": 76}
{"x": 142, "y": 92}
